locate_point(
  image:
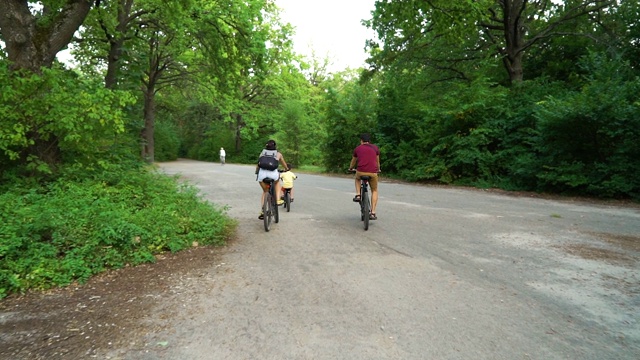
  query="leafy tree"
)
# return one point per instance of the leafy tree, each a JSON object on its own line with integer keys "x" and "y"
{"x": 107, "y": 35}
{"x": 261, "y": 90}
{"x": 33, "y": 36}
{"x": 621, "y": 31}
{"x": 193, "y": 42}
{"x": 85, "y": 119}
{"x": 460, "y": 32}
{"x": 350, "y": 109}
{"x": 250, "y": 100}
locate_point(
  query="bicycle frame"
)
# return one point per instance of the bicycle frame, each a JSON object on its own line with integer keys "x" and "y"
{"x": 365, "y": 201}
{"x": 270, "y": 204}
{"x": 286, "y": 193}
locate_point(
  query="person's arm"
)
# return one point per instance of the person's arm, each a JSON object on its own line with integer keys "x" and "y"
{"x": 284, "y": 163}
{"x": 378, "y": 159}
{"x": 258, "y": 166}
{"x": 353, "y": 162}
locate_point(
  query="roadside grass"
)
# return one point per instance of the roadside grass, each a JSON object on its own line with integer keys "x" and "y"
{"x": 85, "y": 222}
{"x": 311, "y": 169}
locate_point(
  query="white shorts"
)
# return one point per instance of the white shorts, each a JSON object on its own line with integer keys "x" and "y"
{"x": 273, "y": 174}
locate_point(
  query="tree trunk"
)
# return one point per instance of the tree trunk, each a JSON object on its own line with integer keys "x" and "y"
{"x": 115, "y": 50}
{"x": 154, "y": 74}
{"x": 513, "y": 64}
{"x": 514, "y": 38}
{"x": 33, "y": 41}
{"x": 239, "y": 125}
{"x": 117, "y": 40}
{"x": 148, "y": 146}
{"x": 45, "y": 149}
{"x": 516, "y": 24}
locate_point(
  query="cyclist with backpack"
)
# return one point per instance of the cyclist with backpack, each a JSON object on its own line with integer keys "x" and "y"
{"x": 267, "y": 167}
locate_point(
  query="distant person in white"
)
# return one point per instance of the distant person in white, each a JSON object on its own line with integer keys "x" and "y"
{"x": 223, "y": 154}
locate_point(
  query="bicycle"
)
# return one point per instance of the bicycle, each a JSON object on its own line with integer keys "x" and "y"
{"x": 270, "y": 204}
{"x": 365, "y": 201}
{"x": 287, "y": 199}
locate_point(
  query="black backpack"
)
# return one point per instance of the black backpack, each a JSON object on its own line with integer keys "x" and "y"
{"x": 267, "y": 161}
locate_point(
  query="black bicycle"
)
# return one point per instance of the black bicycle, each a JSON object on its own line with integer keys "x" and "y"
{"x": 270, "y": 204}
{"x": 287, "y": 198}
{"x": 365, "y": 201}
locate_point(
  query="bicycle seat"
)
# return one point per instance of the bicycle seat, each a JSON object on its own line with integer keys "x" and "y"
{"x": 267, "y": 180}
{"x": 365, "y": 177}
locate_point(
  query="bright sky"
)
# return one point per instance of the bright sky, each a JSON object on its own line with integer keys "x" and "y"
{"x": 330, "y": 27}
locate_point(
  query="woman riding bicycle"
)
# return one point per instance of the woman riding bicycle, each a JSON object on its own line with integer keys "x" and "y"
{"x": 367, "y": 156}
{"x": 265, "y": 169}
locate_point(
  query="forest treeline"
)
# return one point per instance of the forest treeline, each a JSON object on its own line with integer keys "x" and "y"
{"x": 520, "y": 95}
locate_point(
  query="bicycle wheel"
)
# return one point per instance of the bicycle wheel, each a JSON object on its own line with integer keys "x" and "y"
{"x": 361, "y": 205}
{"x": 267, "y": 211}
{"x": 274, "y": 206}
{"x": 287, "y": 201}
{"x": 366, "y": 209}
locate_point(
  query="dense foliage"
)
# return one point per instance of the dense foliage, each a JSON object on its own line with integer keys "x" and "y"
{"x": 87, "y": 221}
{"x": 561, "y": 119}
{"x": 78, "y": 116}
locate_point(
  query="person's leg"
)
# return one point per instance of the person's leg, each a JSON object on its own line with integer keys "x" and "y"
{"x": 373, "y": 183}
{"x": 374, "y": 201}
{"x": 278, "y": 192}
{"x": 264, "y": 191}
{"x": 357, "y": 185}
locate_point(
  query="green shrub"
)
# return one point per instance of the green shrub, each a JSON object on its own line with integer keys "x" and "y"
{"x": 70, "y": 229}
{"x": 589, "y": 138}
{"x": 166, "y": 140}
{"x": 77, "y": 116}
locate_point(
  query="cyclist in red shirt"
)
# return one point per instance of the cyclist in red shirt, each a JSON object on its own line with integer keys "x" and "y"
{"x": 367, "y": 156}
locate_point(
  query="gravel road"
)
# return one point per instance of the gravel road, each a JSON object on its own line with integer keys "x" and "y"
{"x": 444, "y": 273}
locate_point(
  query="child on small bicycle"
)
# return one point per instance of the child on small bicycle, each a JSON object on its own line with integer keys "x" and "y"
{"x": 287, "y": 178}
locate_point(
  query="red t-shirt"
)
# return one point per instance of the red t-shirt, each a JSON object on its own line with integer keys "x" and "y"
{"x": 367, "y": 155}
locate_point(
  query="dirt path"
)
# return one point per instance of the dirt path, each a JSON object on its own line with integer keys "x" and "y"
{"x": 445, "y": 273}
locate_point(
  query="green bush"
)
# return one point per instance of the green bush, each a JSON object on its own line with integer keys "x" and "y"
{"x": 589, "y": 138}
{"x": 74, "y": 227}
{"x": 57, "y": 109}
{"x": 166, "y": 140}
